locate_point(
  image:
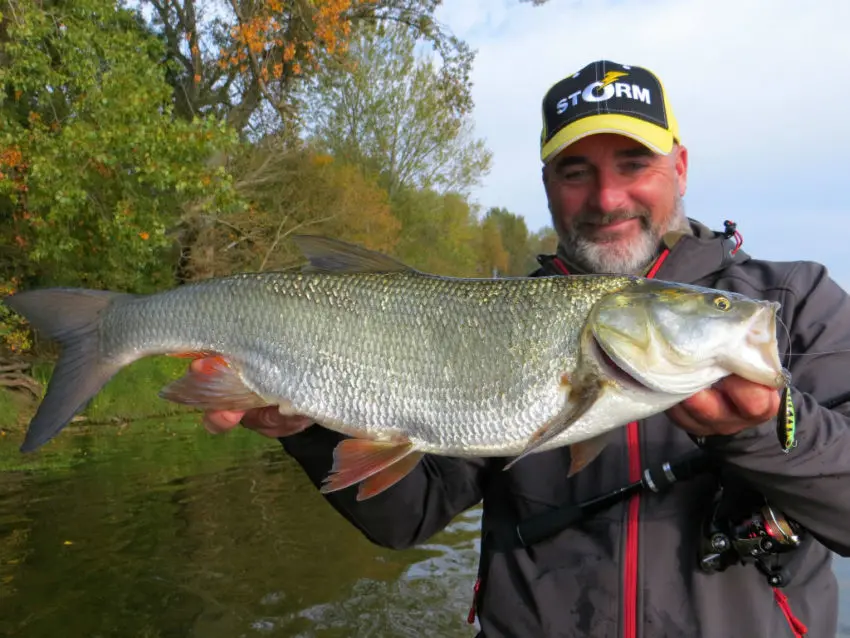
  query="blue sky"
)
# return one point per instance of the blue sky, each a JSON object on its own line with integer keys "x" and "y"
{"x": 761, "y": 89}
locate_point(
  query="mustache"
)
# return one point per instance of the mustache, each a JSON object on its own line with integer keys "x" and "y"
{"x": 590, "y": 217}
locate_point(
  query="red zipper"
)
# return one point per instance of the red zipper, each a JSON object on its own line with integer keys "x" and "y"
{"x": 560, "y": 266}
{"x": 630, "y": 577}
{"x": 630, "y": 590}
{"x": 654, "y": 270}
{"x": 473, "y": 608}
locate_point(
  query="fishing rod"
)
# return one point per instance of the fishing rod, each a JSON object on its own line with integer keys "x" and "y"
{"x": 657, "y": 478}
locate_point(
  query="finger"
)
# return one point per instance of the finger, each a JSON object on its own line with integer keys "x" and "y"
{"x": 196, "y": 365}
{"x": 693, "y": 424}
{"x": 688, "y": 422}
{"x": 709, "y": 407}
{"x": 752, "y": 401}
{"x": 263, "y": 418}
{"x": 219, "y": 421}
{"x": 270, "y": 422}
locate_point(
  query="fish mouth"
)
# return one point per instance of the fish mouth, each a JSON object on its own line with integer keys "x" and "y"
{"x": 614, "y": 370}
{"x": 760, "y": 361}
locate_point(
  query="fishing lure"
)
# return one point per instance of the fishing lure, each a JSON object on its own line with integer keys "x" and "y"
{"x": 786, "y": 421}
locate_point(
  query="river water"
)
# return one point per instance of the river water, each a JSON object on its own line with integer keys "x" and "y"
{"x": 161, "y": 530}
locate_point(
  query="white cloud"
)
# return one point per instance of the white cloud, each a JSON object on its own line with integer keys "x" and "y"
{"x": 761, "y": 89}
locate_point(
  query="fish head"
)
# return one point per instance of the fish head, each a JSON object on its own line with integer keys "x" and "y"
{"x": 680, "y": 339}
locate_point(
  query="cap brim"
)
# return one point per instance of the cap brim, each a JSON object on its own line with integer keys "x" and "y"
{"x": 657, "y": 139}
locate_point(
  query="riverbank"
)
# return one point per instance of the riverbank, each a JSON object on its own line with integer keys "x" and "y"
{"x": 130, "y": 396}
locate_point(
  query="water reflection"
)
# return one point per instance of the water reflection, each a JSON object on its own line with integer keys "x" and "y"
{"x": 167, "y": 532}
{"x": 227, "y": 540}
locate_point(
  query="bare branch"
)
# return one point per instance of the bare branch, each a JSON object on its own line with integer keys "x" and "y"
{"x": 279, "y": 236}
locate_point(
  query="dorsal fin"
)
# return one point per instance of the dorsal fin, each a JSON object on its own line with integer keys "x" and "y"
{"x": 333, "y": 255}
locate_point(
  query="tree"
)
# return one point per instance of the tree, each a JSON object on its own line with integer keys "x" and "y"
{"x": 244, "y": 59}
{"x": 514, "y": 238}
{"x": 495, "y": 260}
{"x": 93, "y": 167}
{"x": 438, "y": 232}
{"x": 397, "y": 115}
{"x": 288, "y": 191}
{"x": 542, "y": 242}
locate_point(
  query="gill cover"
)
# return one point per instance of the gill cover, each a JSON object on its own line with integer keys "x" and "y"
{"x": 680, "y": 339}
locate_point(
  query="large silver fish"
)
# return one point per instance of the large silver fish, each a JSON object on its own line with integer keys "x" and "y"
{"x": 409, "y": 363}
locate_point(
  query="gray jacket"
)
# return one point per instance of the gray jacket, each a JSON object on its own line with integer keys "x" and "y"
{"x": 631, "y": 569}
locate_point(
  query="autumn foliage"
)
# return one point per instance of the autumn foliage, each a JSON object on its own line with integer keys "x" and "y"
{"x": 143, "y": 148}
{"x": 287, "y": 191}
{"x": 265, "y": 38}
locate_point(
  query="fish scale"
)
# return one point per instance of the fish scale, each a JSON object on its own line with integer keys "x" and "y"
{"x": 451, "y": 364}
{"x": 409, "y": 363}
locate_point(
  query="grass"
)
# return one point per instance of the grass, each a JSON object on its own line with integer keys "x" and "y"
{"x": 133, "y": 392}
{"x": 170, "y": 447}
{"x": 10, "y": 408}
{"x": 130, "y": 395}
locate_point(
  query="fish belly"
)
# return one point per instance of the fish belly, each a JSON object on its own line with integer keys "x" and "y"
{"x": 467, "y": 367}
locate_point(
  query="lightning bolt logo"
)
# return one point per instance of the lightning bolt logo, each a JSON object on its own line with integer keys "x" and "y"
{"x": 612, "y": 76}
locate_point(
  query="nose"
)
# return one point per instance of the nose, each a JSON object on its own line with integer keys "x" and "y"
{"x": 610, "y": 195}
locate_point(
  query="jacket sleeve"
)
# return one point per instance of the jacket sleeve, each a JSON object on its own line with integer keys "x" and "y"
{"x": 811, "y": 483}
{"x": 411, "y": 511}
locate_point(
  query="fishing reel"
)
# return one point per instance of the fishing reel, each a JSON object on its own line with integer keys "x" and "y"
{"x": 760, "y": 537}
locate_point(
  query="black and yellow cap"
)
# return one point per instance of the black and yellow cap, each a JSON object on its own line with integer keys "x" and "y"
{"x": 606, "y": 97}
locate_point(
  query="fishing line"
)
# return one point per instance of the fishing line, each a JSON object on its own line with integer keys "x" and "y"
{"x": 815, "y": 354}
{"x": 804, "y": 354}
{"x": 730, "y": 230}
{"x": 788, "y": 334}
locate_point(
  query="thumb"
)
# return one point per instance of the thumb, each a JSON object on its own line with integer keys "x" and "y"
{"x": 221, "y": 421}
{"x": 272, "y": 423}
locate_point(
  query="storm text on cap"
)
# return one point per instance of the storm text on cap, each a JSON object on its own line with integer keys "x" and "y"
{"x": 599, "y": 92}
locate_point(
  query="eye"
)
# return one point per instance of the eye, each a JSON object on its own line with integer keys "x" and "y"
{"x": 574, "y": 175}
{"x": 722, "y": 303}
{"x": 632, "y": 167}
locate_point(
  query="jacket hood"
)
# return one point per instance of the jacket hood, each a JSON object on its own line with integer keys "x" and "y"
{"x": 692, "y": 256}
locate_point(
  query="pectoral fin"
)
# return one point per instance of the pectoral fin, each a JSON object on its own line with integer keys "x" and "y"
{"x": 213, "y": 384}
{"x": 581, "y": 399}
{"x": 378, "y": 464}
{"x": 583, "y": 452}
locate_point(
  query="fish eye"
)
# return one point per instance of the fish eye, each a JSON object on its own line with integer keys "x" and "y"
{"x": 722, "y": 303}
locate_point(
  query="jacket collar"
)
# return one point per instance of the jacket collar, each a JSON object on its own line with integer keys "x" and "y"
{"x": 692, "y": 256}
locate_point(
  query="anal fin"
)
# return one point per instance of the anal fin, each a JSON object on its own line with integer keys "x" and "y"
{"x": 388, "y": 477}
{"x": 584, "y": 397}
{"x": 213, "y": 384}
{"x": 379, "y": 464}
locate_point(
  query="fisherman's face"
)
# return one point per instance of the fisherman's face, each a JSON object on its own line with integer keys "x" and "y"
{"x": 612, "y": 200}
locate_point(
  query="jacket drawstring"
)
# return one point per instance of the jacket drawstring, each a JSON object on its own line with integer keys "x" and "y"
{"x": 799, "y": 629}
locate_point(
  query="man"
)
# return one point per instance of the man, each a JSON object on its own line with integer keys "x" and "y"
{"x": 615, "y": 173}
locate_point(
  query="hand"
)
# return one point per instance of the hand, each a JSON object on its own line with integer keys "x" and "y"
{"x": 731, "y": 406}
{"x": 267, "y": 421}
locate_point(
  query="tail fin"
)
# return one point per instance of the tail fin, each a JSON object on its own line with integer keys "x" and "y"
{"x": 72, "y": 317}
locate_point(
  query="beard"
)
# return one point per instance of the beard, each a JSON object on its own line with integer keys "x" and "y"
{"x": 601, "y": 255}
